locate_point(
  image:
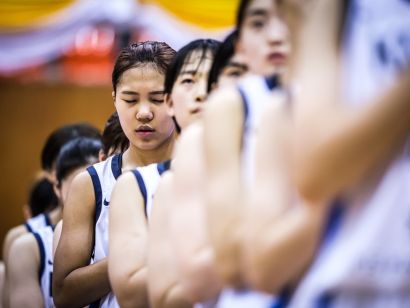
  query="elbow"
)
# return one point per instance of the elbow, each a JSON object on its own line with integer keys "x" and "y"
{"x": 173, "y": 297}
{"x": 257, "y": 263}
{"x": 59, "y": 298}
{"x": 131, "y": 289}
{"x": 199, "y": 276}
{"x": 60, "y": 301}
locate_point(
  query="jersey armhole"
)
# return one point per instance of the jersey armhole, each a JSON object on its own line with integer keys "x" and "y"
{"x": 97, "y": 191}
{"x": 42, "y": 255}
{"x": 143, "y": 188}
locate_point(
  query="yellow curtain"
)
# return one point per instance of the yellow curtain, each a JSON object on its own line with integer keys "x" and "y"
{"x": 208, "y": 14}
{"x": 25, "y": 13}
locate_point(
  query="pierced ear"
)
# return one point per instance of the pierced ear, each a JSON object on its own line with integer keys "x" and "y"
{"x": 170, "y": 105}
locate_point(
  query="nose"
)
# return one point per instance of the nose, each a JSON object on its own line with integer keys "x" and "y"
{"x": 277, "y": 32}
{"x": 144, "y": 113}
{"x": 201, "y": 91}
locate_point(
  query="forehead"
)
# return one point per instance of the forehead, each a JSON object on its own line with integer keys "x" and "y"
{"x": 260, "y": 6}
{"x": 198, "y": 60}
{"x": 145, "y": 75}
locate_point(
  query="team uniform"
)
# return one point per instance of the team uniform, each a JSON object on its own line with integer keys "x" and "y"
{"x": 148, "y": 179}
{"x": 257, "y": 94}
{"x": 44, "y": 238}
{"x": 37, "y": 222}
{"x": 104, "y": 176}
{"x": 364, "y": 260}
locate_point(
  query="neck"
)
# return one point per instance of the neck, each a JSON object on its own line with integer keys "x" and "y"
{"x": 134, "y": 157}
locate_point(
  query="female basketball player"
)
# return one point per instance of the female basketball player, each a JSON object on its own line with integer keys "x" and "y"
{"x": 138, "y": 95}
{"x": 185, "y": 93}
{"x": 31, "y": 255}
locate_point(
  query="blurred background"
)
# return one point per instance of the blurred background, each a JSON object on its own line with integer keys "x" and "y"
{"x": 56, "y": 58}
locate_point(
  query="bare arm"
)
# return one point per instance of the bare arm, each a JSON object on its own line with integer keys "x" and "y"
{"x": 128, "y": 237}
{"x": 331, "y": 138}
{"x": 194, "y": 251}
{"x": 290, "y": 229}
{"x": 76, "y": 283}
{"x": 23, "y": 268}
{"x": 11, "y": 236}
{"x": 223, "y": 136}
{"x": 164, "y": 285}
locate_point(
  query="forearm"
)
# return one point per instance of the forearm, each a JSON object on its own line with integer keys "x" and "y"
{"x": 290, "y": 239}
{"x": 199, "y": 277}
{"x": 82, "y": 286}
{"x": 131, "y": 288}
{"x": 225, "y": 213}
{"x": 351, "y": 148}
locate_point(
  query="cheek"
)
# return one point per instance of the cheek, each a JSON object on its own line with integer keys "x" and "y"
{"x": 252, "y": 48}
{"x": 163, "y": 119}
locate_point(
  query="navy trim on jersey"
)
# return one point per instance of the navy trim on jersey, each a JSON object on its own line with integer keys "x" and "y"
{"x": 272, "y": 82}
{"x": 28, "y": 227}
{"x": 283, "y": 299}
{"x": 47, "y": 219}
{"x": 42, "y": 255}
{"x": 96, "y": 304}
{"x": 97, "y": 191}
{"x": 245, "y": 105}
{"x": 333, "y": 223}
{"x": 143, "y": 189}
{"x": 116, "y": 164}
{"x": 164, "y": 166}
{"x": 325, "y": 300}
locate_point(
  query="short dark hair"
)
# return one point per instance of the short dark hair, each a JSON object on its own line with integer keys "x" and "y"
{"x": 178, "y": 61}
{"x": 75, "y": 154}
{"x": 42, "y": 197}
{"x": 224, "y": 53}
{"x": 113, "y": 137}
{"x": 240, "y": 14}
{"x": 137, "y": 54}
{"x": 61, "y": 136}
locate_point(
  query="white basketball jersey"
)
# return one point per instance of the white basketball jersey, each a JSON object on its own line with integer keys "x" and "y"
{"x": 104, "y": 176}
{"x": 256, "y": 95}
{"x": 147, "y": 178}
{"x": 37, "y": 222}
{"x": 366, "y": 263}
{"x": 44, "y": 237}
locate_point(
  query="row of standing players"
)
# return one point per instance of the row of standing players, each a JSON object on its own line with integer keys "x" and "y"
{"x": 244, "y": 215}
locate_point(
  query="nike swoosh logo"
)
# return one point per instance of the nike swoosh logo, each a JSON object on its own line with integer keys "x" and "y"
{"x": 106, "y": 203}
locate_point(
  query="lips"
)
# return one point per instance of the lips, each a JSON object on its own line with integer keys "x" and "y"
{"x": 196, "y": 110}
{"x": 277, "y": 58}
{"x": 144, "y": 131}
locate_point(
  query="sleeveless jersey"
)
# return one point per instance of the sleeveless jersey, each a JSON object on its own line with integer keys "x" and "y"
{"x": 366, "y": 262}
{"x": 37, "y": 222}
{"x": 256, "y": 95}
{"x": 147, "y": 178}
{"x": 44, "y": 238}
{"x": 104, "y": 176}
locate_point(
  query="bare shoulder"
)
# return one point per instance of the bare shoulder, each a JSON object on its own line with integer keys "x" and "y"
{"x": 11, "y": 236}
{"x": 228, "y": 98}
{"x": 24, "y": 248}
{"x": 125, "y": 182}
{"x": 81, "y": 196}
